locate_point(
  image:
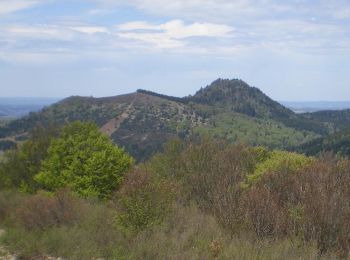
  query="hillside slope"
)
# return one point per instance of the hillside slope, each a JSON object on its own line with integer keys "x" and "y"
{"x": 137, "y": 121}
{"x": 237, "y": 96}
{"x": 337, "y": 143}
{"x": 143, "y": 121}
{"x": 334, "y": 119}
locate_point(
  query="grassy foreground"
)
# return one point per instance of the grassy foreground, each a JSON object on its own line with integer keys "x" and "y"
{"x": 81, "y": 229}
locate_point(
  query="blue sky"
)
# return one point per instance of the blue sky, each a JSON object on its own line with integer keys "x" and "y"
{"x": 291, "y": 49}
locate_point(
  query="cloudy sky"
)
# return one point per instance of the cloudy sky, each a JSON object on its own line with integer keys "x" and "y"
{"x": 291, "y": 49}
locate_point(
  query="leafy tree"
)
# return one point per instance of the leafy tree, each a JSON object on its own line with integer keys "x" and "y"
{"x": 21, "y": 164}
{"x": 84, "y": 160}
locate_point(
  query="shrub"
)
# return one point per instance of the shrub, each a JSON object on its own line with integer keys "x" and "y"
{"x": 9, "y": 201}
{"x": 67, "y": 227}
{"x": 311, "y": 204}
{"x": 277, "y": 161}
{"x": 167, "y": 164}
{"x": 212, "y": 173}
{"x": 144, "y": 200}
{"x": 325, "y": 193}
{"x": 42, "y": 211}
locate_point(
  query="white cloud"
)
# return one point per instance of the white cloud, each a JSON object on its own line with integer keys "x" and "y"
{"x": 138, "y": 25}
{"x": 218, "y": 27}
{"x": 172, "y": 33}
{"x": 281, "y": 25}
{"x": 193, "y": 8}
{"x": 90, "y": 29}
{"x": 49, "y": 32}
{"x": 52, "y": 32}
{"x": 10, "y": 6}
{"x": 241, "y": 11}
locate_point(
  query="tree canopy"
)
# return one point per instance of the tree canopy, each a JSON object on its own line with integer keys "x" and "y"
{"x": 19, "y": 165}
{"x": 85, "y": 160}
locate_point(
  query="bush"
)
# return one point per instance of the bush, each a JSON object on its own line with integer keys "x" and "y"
{"x": 190, "y": 203}
{"x": 190, "y": 233}
{"x": 325, "y": 193}
{"x": 61, "y": 225}
{"x": 290, "y": 196}
{"x": 187, "y": 233}
{"x": 312, "y": 204}
{"x": 144, "y": 200}
{"x": 9, "y": 201}
{"x": 276, "y": 161}
{"x": 42, "y": 211}
{"x": 212, "y": 173}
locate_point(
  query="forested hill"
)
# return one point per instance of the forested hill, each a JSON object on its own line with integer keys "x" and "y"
{"x": 336, "y": 143}
{"x": 336, "y": 119}
{"x": 143, "y": 121}
{"x": 238, "y": 96}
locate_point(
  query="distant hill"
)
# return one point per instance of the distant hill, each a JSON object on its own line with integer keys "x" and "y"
{"x": 143, "y": 121}
{"x": 337, "y": 143}
{"x": 17, "y": 107}
{"x": 315, "y": 106}
{"x": 139, "y": 122}
{"x": 335, "y": 120}
{"x": 237, "y": 96}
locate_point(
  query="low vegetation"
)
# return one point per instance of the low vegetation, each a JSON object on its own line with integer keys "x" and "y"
{"x": 201, "y": 199}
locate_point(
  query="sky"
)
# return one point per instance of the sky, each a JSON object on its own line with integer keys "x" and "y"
{"x": 292, "y": 49}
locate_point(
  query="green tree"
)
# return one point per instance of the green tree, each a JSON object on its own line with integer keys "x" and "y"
{"x": 84, "y": 160}
{"x": 21, "y": 164}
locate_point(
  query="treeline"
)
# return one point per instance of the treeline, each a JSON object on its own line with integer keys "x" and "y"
{"x": 171, "y": 98}
{"x": 83, "y": 198}
{"x": 337, "y": 143}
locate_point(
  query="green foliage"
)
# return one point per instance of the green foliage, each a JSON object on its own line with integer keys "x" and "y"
{"x": 235, "y": 127}
{"x": 144, "y": 200}
{"x": 195, "y": 208}
{"x": 261, "y": 154}
{"x": 19, "y": 166}
{"x": 7, "y": 145}
{"x": 335, "y": 120}
{"x": 144, "y": 121}
{"x": 85, "y": 160}
{"x": 237, "y": 96}
{"x": 187, "y": 233}
{"x": 276, "y": 161}
{"x": 337, "y": 143}
{"x": 60, "y": 225}
{"x": 167, "y": 163}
